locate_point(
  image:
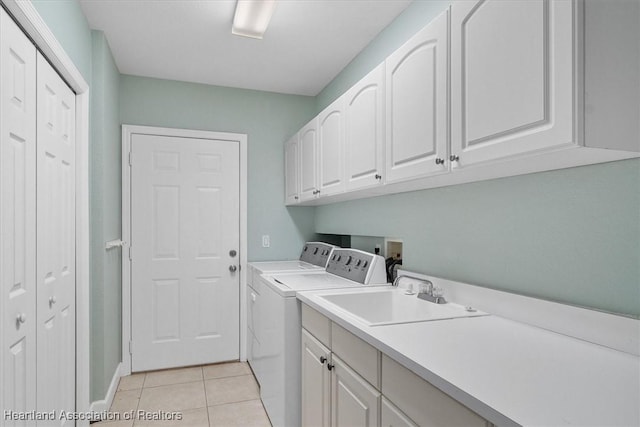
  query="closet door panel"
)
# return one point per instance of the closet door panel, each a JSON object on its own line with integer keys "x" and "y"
{"x": 17, "y": 218}
{"x": 55, "y": 241}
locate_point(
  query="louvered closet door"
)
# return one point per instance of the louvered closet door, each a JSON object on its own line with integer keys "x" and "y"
{"x": 17, "y": 219}
{"x": 56, "y": 278}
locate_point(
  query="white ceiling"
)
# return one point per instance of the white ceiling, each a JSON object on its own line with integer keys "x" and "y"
{"x": 306, "y": 45}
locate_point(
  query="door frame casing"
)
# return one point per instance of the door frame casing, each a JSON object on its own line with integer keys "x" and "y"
{"x": 127, "y": 132}
{"x": 26, "y": 15}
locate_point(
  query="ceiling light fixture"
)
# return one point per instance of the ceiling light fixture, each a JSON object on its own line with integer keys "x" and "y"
{"x": 252, "y": 17}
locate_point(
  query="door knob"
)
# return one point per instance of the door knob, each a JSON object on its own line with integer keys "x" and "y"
{"x": 21, "y": 318}
{"x": 233, "y": 253}
{"x": 233, "y": 268}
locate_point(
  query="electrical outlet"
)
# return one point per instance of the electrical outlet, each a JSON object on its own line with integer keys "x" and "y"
{"x": 266, "y": 241}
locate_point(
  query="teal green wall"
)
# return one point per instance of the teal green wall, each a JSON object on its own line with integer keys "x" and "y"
{"x": 267, "y": 118}
{"x": 68, "y": 24}
{"x": 571, "y": 235}
{"x": 105, "y": 212}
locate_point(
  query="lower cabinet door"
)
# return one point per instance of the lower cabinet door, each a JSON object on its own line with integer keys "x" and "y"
{"x": 316, "y": 390}
{"x": 354, "y": 402}
{"x": 394, "y": 417}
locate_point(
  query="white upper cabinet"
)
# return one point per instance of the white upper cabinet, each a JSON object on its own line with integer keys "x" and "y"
{"x": 364, "y": 123}
{"x": 416, "y": 104}
{"x": 331, "y": 148}
{"x": 291, "y": 178}
{"x": 307, "y": 140}
{"x": 512, "y": 78}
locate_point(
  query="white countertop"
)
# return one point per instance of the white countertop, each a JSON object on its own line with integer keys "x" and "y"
{"x": 509, "y": 372}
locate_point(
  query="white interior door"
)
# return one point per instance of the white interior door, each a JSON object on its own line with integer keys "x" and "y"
{"x": 17, "y": 218}
{"x": 56, "y": 273}
{"x": 184, "y": 223}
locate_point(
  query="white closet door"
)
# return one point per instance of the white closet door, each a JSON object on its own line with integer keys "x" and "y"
{"x": 56, "y": 279}
{"x": 17, "y": 218}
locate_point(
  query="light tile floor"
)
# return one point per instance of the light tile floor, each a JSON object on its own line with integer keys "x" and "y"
{"x": 213, "y": 395}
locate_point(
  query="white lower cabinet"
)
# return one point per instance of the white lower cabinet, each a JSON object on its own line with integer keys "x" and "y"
{"x": 316, "y": 382}
{"x": 335, "y": 393}
{"x": 354, "y": 402}
{"x": 390, "y": 416}
{"x": 422, "y": 402}
{"x": 347, "y": 382}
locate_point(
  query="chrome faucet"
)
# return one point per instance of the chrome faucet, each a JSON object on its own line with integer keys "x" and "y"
{"x": 427, "y": 291}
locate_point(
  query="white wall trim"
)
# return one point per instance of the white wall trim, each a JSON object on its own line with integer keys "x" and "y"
{"x": 34, "y": 26}
{"x": 104, "y": 404}
{"x": 127, "y": 132}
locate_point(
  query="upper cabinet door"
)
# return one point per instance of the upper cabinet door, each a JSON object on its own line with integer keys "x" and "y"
{"x": 308, "y": 160}
{"x": 330, "y": 148}
{"x": 291, "y": 177}
{"x": 416, "y": 81}
{"x": 512, "y": 78}
{"x": 364, "y": 114}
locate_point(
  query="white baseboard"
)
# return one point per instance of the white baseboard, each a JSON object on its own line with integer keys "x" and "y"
{"x": 105, "y": 404}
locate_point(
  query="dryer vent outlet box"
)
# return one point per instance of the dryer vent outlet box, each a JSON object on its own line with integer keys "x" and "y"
{"x": 393, "y": 249}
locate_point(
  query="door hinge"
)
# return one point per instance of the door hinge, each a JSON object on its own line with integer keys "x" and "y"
{"x": 130, "y": 347}
{"x": 130, "y": 161}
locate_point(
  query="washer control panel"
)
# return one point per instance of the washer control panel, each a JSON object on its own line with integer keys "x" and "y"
{"x": 316, "y": 253}
{"x": 356, "y": 265}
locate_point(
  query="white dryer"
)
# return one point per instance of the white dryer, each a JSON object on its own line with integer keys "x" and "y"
{"x": 313, "y": 258}
{"x": 279, "y": 326}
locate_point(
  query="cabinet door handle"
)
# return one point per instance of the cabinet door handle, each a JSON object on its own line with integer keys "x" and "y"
{"x": 454, "y": 158}
{"x": 323, "y": 359}
{"x": 330, "y": 366}
{"x": 439, "y": 161}
{"x": 21, "y": 318}
{"x": 296, "y": 197}
{"x": 378, "y": 177}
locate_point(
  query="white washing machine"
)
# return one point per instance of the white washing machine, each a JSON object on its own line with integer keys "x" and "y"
{"x": 313, "y": 258}
{"x": 279, "y": 326}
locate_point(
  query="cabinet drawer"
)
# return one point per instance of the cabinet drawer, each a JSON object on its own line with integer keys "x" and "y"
{"x": 423, "y": 403}
{"x": 318, "y": 325}
{"x": 361, "y": 356}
